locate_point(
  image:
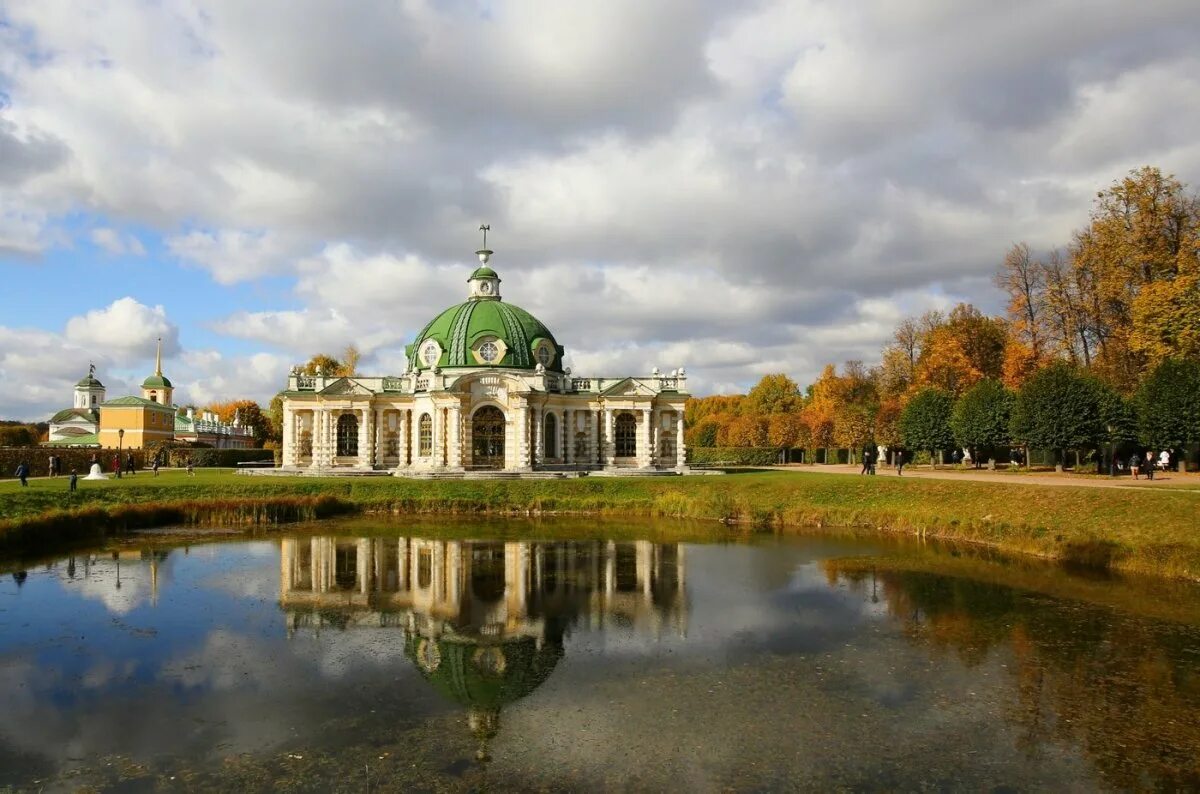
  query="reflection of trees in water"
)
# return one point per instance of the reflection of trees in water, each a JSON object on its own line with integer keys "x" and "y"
{"x": 1126, "y": 689}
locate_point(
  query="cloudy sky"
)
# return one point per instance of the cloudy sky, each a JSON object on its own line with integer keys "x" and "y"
{"x": 738, "y": 188}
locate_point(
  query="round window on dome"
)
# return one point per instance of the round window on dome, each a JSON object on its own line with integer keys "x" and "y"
{"x": 489, "y": 352}
{"x": 430, "y": 353}
{"x": 545, "y": 355}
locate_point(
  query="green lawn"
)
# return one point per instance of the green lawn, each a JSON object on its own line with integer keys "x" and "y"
{"x": 1152, "y": 531}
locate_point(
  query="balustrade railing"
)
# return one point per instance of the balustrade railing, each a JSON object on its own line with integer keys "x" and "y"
{"x": 306, "y": 383}
{"x": 423, "y": 383}
{"x": 393, "y": 384}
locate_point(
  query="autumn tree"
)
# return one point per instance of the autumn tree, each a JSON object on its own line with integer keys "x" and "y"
{"x": 322, "y": 363}
{"x": 1023, "y": 280}
{"x": 349, "y": 365}
{"x": 925, "y": 422}
{"x": 773, "y": 394}
{"x": 980, "y": 420}
{"x": 248, "y": 413}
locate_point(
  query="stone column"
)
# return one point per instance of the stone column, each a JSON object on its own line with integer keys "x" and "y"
{"x": 680, "y": 451}
{"x": 610, "y": 441}
{"x": 568, "y": 417}
{"x": 539, "y": 430}
{"x": 289, "y": 437}
{"x": 402, "y": 423}
{"x": 646, "y": 458}
{"x": 366, "y": 431}
{"x": 454, "y": 437}
{"x": 377, "y": 458}
{"x": 521, "y": 442}
{"x": 435, "y": 449}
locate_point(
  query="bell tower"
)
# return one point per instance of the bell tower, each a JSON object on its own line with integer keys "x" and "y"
{"x": 157, "y": 388}
{"x": 89, "y": 392}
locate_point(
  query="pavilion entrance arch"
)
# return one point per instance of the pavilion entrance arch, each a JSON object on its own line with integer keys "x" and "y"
{"x": 487, "y": 438}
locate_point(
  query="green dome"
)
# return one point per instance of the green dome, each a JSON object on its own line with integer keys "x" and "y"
{"x": 483, "y": 272}
{"x": 459, "y": 327}
{"x": 483, "y": 675}
{"x": 89, "y": 382}
{"x": 156, "y": 382}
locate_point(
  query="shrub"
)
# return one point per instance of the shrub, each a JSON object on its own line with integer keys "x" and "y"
{"x": 216, "y": 458}
{"x": 1059, "y": 408}
{"x": 733, "y": 456}
{"x": 981, "y": 417}
{"x": 925, "y": 421}
{"x": 78, "y": 458}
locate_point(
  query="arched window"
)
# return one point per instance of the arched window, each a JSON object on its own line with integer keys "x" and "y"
{"x": 550, "y": 436}
{"x": 347, "y": 436}
{"x": 626, "y": 436}
{"x": 425, "y": 436}
{"x": 153, "y": 396}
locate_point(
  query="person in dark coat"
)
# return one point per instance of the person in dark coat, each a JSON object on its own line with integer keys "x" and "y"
{"x": 23, "y": 474}
{"x": 1148, "y": 464}
{"x": 1135, "y": 465}
{"x": 130, "y": 465}
{"x": 74, "y": 481}
{"x": 901, "y": 459}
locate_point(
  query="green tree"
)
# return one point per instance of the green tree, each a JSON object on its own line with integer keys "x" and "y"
{"x": 1168, "y": 404}
{"x": 925, "y": 421}
{"x": 981, "y": 417}
{"x": 1058, "y": 408}
{"x": 275, "y": 415}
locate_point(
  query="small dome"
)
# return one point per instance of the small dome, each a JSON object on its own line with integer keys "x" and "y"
{"x": 156, "y": 382}
{"x": 458, "y": 329}
{"x": 483, "y": 272}
{"x": 90, "y": 382}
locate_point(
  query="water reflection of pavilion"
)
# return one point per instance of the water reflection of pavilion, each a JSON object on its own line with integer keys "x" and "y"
{"x": 482, "y": 588}
{"x": 483, "y": 621}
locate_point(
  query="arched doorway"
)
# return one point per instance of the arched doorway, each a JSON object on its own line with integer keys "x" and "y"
{"x": 347, "y": 436}
{"x": 487, "y": 438}
{"x": 626, "y": 436}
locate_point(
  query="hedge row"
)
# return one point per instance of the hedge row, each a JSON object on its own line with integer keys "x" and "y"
{"x": 733, "y": 456}
{"x": 207, "y": 457}
{"x": 77, "y": 458}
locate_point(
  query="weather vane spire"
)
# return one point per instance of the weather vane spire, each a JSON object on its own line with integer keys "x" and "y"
{"x": 158, "y": 358}
{"x": 483, "y": 253}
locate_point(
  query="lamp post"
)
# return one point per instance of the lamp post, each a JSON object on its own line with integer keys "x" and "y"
{"x": 120, "y": 443}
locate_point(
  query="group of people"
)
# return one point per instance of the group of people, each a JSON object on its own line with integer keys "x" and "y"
{"x": 1140, "y": 463}
{"x": 871, "y": 456}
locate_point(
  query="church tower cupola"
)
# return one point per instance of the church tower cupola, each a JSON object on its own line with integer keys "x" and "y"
{"x": 157, "y": 388}
{"x": 89, "y": 392}
{"x": 484, "y": 283}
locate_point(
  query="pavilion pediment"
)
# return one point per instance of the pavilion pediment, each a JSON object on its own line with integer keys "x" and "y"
{"x": 346, "y": 387}
{"x": 629, "y": 387}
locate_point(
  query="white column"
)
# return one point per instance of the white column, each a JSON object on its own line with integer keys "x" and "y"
{"x": 289, "y": 436}
{"x": 680, "y": 451}
{"x": 377, "y": 458}
{"x": 568, "y": 418}
{"x": 646, "y": 454}
{"x": 402, "y": 427}
{"x": 365, "y": 432}
{"x": 610, "y": 445}
{"x": 455, "y": 457}
{"x": 318, "y": 437}
{"x": 436, "y": 447}
{"x": 539, "y": 429}
{"x": 521, "y": 442}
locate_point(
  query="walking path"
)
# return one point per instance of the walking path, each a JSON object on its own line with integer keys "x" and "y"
{"x": 1162, "y": 480}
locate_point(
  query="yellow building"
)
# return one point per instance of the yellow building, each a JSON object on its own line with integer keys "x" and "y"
{"x": 143, "y": 421}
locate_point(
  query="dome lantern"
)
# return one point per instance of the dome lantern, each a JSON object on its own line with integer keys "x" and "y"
{"x": 484, "y": 282}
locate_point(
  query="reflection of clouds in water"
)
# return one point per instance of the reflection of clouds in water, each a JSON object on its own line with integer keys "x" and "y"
{"x": 101, "y": 585}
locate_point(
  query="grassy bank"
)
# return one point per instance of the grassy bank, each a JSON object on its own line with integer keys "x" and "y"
{"x": 1145, "y": 531}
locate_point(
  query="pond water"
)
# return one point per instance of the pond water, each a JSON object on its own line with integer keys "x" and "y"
{"x": 355, "y": 657}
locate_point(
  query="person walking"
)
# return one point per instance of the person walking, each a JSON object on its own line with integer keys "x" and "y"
{"x": 116, "y": 466}
{"x": 23, "y": 474}
{"x": 155, "y": 466}
{"x": 866, "y": 460}
{"x": 900, "y": 461}
{"x": 1148, "y": 464}
{"x": 1135, "y": 464}
{"x": 130, "y": 464}
{"x": 191, "y": 472}
{"x": 74, "y": 481}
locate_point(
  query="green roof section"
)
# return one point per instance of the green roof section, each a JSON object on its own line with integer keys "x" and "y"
{"x": 459, "y": 327}
{"x": 483, "y": 272}
{"x": 156, "y": 382}
{"x": 67, "y": 414}
{"x": 134, "y": 402}
{"x": 86, "y": 440}
{"x": 89, "y": 382}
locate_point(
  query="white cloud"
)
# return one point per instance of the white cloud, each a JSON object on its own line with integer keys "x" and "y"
{"x": 125, "y": 327}
{"x": 117, "y": 243}
{"x": 232, "y": 255}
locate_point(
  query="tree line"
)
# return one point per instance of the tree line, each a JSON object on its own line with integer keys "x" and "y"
{"x": 1099, "y": 344}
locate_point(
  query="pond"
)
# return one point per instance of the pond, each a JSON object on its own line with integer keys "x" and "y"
{"x": 423, "y": 655}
